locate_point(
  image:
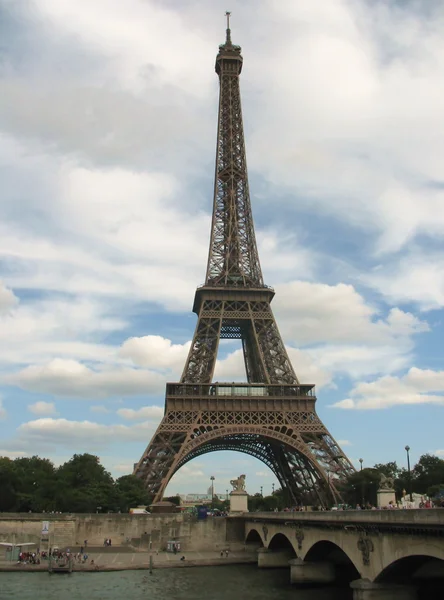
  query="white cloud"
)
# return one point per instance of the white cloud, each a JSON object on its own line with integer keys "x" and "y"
{"x": 263, "y": 473}
{"x": 12, "y": 454}
{"x": 358, "y": 156}
{"x": 70, "y": 378}
{"x": 344, "y": 443}
{"x": 48, "y": 432}
{"x": 155, "y": 352}
{"x": 317, "y": 312}
{"x": 7, "y": 299}
{"x": 418, "y": 386}
{"x": 146, "y": 412}
{"x": 232, "y": 368}
{"x": 417, "y": 277}
{"x": 189, "y": 478}
{"x": 42, "y": 408}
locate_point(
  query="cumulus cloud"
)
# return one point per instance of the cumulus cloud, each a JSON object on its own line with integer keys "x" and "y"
{"x": 417, "y": 277}
{"x": 155, "y": 352}
{"x": 344, "y": 443}
{"x": 42, "y": 408}
{"x": 146, "y": 412}
{"x": 70, "y": 378}
{"x": 7, "y": 299}
{"x": 418, "y": 386}
{"x": 65, "y": 433}
{"x": 317, "y": 312}
{"x": 232, "y": 368}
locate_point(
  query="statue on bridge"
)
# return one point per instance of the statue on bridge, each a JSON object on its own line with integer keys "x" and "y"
{"x": 238, "y": 484}
{"x": 386, "y": 483}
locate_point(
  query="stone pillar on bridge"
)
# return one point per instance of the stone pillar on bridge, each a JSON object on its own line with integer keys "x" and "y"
{"x": 272, "y": 559}
{"x": 238, "y": 501}
{"x": 302, "y": 572}
{"x": 364, "y": 589}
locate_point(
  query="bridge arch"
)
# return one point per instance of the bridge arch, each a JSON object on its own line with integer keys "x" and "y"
{"x": 254, "y": 539}
{"x": 281, "y": 542}
{"x": 326, "y": 551}
{"x": 417, "y": 567}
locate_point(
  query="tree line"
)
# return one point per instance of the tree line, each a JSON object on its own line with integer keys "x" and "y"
{"x": 426, "y": 478}
{"x": 81, "y": 485}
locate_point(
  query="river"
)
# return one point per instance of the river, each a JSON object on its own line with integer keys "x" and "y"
{"x": 243, "y": 582}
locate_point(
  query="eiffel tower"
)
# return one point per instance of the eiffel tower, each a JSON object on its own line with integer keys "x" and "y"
{"x": 273, "y": 416}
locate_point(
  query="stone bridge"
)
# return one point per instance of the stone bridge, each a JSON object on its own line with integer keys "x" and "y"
{"x": 384, "y": 554}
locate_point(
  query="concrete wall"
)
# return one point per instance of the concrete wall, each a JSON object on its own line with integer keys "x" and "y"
{"x": 123, "y": 529}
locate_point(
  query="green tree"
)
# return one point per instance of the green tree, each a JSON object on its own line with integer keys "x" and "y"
{"x": 389, "y": 469}
{"x": 175, "y": 500}
{"x": 131, "y": 492}
{"x": 428, "y": 472}
{"x": 361, "y": 487}
{"x": 8, "y": 485}
{"x": 36, "y": 484}
{"x": 84, "y": 485}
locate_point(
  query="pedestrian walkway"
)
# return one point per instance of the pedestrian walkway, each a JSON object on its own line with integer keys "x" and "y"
{"x": 110, "y": 561}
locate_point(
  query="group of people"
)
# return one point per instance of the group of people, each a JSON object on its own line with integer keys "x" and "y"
{"x": 30, "y": 558}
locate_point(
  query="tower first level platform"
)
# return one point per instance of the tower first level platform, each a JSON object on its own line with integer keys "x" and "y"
{"x": 277, "y": 424}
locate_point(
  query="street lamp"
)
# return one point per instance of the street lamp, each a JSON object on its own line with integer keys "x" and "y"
{"x": 407, "y": 449}
{"x": 272, "y": 488}
{"x": 212, "y": 491}
{"x": 262, "y": 489}
{"x": 361, "y": 460}
{"x": 227, "y": 494}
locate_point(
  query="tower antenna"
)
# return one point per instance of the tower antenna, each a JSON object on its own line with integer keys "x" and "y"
{"x": 228, "y": 15}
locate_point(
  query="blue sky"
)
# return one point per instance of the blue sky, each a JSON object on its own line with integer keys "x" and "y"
{"x": 107, "y": 142}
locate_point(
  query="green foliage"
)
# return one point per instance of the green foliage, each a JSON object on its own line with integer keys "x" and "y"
{"x": 428, "y": 471}
{"x": 174, "y": 499}
{"x": 80, "y": 485}
{"x": 361, "y": 487}
{"x": 389, "y": 469}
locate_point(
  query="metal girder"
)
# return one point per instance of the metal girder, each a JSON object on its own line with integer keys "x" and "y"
{"x": 273, "y": 416}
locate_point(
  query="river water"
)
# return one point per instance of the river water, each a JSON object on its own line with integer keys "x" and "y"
{"x": 243, "y": 582}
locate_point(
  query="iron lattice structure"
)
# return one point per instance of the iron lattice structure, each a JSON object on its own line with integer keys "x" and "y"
{"x": 273, "y": 416}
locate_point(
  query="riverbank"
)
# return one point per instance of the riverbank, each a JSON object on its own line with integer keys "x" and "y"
{"x": 141, "y": 561}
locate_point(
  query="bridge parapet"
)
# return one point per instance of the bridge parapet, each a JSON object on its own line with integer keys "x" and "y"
{"x": 416, "y": 517}
{"x": 372, "y": 545}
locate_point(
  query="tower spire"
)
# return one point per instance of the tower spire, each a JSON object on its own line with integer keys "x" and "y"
{"x": 233, "y": 258}
{"x": 228, "y": 37}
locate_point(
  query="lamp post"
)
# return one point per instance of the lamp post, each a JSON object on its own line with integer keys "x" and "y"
{"x": 212, "y": 491}
{"x": 262, "y": 489}
{"x": 272, "y": 488}
{"x": 361, "y": 460}
{"x": 407, "y": 449}
{"x": 227, "y": 494}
